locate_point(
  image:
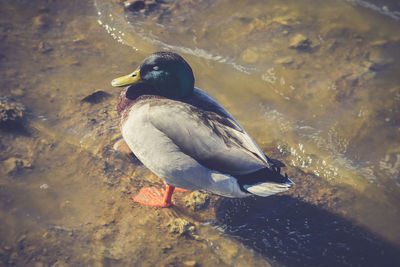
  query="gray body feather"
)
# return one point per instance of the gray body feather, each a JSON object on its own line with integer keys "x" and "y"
{"x": 196, "y": 144}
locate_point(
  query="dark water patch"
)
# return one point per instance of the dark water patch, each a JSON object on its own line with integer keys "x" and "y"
{"x": 15, "y": 128}
{"x": 292, "y": 232}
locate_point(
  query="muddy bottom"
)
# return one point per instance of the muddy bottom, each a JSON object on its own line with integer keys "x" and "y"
{"x": 65, "y": 193}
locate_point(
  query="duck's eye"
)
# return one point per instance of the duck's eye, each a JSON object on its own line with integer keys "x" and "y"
{"x": 156, "y": 68}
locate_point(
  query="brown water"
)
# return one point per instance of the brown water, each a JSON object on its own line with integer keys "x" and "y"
{"x": 329, "y": 110}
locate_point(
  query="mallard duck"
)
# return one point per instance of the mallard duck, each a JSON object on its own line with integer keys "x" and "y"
{"x": 185, "y": 137}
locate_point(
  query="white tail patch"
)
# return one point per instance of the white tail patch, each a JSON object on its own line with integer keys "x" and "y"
{"x": 266, "y": 189}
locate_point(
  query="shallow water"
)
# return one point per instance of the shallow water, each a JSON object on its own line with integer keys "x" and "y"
{"x": 328, "y": 108}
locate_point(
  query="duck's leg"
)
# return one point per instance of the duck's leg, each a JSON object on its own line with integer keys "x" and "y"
{"x": 155, "y": 197}
{"x": 177, "y": 189}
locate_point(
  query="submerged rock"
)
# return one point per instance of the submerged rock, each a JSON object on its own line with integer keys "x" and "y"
{"x": 41, "y": 22}
{"x": 197, "y": 201}
{"x": 285, "y": 61}
{"x": 378, "y": 65}
{"x": 96, "y": 97}
{"x": 139, "y": 5}
{"x": 134, "y": 5}
{"x": 379, "y": 42}
{"x": 13, "y": 164}
{"x": 190, "y": 263}
{"x": 44, "y": 186}
{"x": 10, "y": 111}
{"x": 181, "y": 227}
{"x": 300, "y": 42}
{"x": 44, "y": 48}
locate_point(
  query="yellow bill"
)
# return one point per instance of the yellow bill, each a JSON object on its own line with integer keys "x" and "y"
{"x": 129, "y": 79}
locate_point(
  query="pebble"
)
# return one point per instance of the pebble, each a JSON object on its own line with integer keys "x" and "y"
{"x": 21, "y": 239}
{"x": 45, "y": 235}
{"x": 190, "y": 263}
{"x": 300, "y": 42}
{"x": 41, "y": 22}
{"x": 44, "y": 186}
{"x": 166, "y": 248}
{"x": 376, "y": 66}
{"x": 379, "y": 43}
{"x": 44, "y": 48}
{"x": 10, "y": 110}
{"x": 284, "y": 61}
{"x": 181, "y": 227}
{"x": 134, "y": 5}
{"x": 13, "y": 164}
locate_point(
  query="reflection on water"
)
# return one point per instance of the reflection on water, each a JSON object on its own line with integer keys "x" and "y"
{"x": 316, "y": 87}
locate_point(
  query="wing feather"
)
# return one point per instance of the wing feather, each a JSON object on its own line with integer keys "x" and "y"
{"x": 214, "y": 140}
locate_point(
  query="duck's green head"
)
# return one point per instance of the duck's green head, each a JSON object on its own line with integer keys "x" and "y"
{"x": 168, "y": 74}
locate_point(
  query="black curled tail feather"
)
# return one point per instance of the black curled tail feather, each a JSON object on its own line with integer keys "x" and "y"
{"x": 263, "y": 175}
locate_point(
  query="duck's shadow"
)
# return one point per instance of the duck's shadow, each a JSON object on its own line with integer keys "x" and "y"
{"x": 292, "y": 232}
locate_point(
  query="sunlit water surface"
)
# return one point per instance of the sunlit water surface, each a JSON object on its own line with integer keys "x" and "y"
{"x": 327, "y": 106}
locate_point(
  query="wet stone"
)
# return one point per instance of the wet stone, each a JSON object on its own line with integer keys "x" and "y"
{"x": 44, "y": 48}
{"x": 44, "y": 186}
{"x": 285, "y": 61}
{"x": 41, "y": 22}
{"x": 134, "y": 5}
{"x": 300, "y": 42}
{"x": 181, "y": 227}
{"x": 378, "y": 65}
{"x": 166, "y": 248}
{"x": 197, "y": 201}
{"x": 190, "y": 263}
{"x": 142, "y": 6}
{"x": 12, "y": 165}
{"x": 379, "y": 43}
{"x": 10, "y": 110}
{"x": 21, "y": 239}
{"x": 45, "y": 235}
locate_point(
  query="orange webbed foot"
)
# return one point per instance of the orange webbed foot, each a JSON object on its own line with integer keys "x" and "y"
{"x": 155, "y": 197}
